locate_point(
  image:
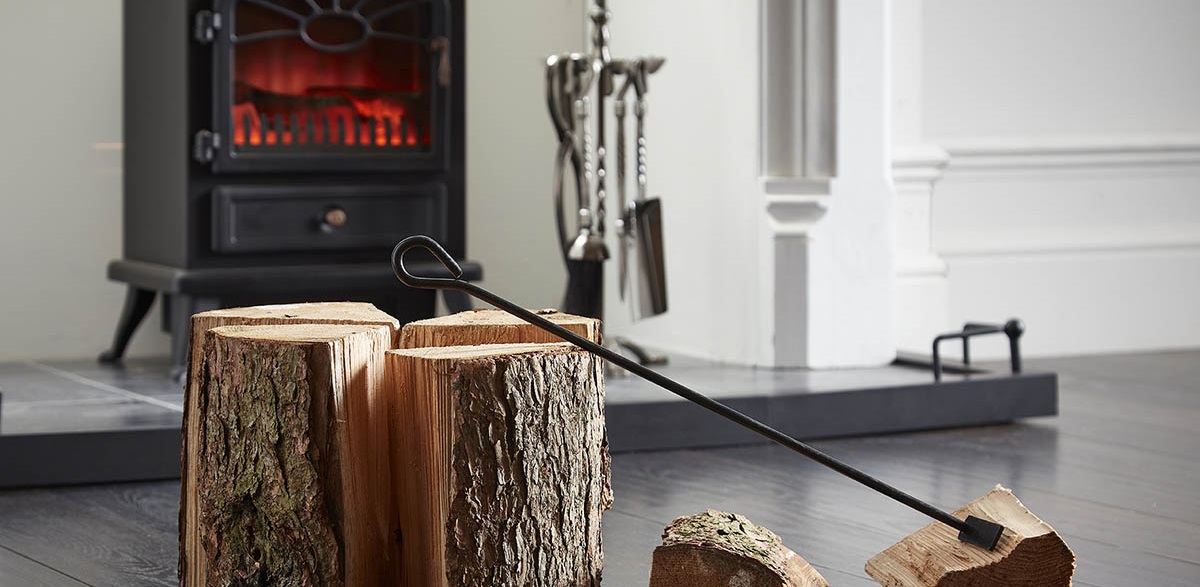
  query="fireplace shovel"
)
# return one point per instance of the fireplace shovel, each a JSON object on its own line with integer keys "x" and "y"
{"x": 641, "y": 221}
{"x": 973, "y": 530}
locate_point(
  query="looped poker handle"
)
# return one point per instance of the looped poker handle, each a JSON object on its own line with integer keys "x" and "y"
{"x": 421, "y": 241}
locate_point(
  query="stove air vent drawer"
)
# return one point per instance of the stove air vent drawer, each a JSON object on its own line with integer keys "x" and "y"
{"x": 252, "y": 219}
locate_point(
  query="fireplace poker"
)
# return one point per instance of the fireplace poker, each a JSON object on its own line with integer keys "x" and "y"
{"x": 624, "y": 220}
{"x": 972, "y": 530}
{"x": 602, "y": 59}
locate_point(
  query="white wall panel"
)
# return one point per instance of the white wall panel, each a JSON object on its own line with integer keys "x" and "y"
{"x": 1093, "y": 256}
{"x": 1072, "y": 194}
{"x": 1060, "y": 67}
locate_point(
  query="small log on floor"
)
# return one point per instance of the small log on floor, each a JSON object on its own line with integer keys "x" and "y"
{"x": 720, "y": 549}
{"x": 192, "y": 557}
{"x": 1030, "y": 553}
{"x": 501, "y": 464}
{"x": 491, "y": 327}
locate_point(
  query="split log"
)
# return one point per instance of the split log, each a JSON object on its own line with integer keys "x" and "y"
{"x": 501, "y": 464}
{"x": 192, "y": 557}
{"x": 719, "y": 549}
{"x": 293, "y": 484}
{"x": 1030, "y": 553}
{"x": 491, "y": 327}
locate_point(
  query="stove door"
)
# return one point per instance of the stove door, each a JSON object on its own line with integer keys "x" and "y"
{"x": 328, "y": 85}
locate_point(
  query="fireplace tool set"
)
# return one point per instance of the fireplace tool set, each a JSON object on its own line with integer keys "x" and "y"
{"x": 972, "y": 530}
{"x": 575, "y": 83}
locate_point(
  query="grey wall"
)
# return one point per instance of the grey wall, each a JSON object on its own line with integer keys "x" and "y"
{"x": 60, "y": 178}
{"x": 510, "y": 143}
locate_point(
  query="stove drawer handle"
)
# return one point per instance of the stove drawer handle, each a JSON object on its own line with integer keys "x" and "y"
{"x": 333, "y": 218}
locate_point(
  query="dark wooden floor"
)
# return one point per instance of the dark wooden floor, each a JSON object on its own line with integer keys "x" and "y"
{"x": 1116, "y": 474}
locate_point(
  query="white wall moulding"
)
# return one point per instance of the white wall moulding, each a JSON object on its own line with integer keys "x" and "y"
{"x": 1074, "y": 152}
{"x": 921, "y": 165}
{"x": 915, "y": 171}
{"x": 794, "y": 215}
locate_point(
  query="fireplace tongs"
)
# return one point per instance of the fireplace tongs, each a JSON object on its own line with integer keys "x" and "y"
{"x": 973, "y": 530}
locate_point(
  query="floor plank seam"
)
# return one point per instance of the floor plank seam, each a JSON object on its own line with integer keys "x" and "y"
{"x": 46, "y": 566}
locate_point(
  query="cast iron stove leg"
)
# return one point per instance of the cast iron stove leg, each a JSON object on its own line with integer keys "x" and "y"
{"x": 137, "y": 304}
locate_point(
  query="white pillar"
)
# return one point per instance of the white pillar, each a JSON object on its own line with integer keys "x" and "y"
{"x": 826, "y": 288}
{"x": 798, "y": 158}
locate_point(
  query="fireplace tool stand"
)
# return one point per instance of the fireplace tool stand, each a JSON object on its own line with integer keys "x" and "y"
{"x": 972, "y": 530}
{"x": 578, "y": 85}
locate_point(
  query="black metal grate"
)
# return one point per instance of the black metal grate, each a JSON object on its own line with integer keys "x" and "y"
{"x": 332, "y": 75}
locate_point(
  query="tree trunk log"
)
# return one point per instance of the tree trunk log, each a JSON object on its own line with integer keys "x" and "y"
{"x": 193, "y": 557}
{"x": 720, "y": 549}
{"x": 491, "y": 327}
{"x": 1030, "y": 553}
{"x": 503, "y": 465}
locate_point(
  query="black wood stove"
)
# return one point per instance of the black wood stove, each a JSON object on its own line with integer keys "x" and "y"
{"x": 275, "y": 150}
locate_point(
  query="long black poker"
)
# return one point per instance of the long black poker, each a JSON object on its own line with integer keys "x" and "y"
{"x": 972, "y": 530}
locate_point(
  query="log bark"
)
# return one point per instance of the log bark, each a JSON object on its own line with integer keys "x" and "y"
{"x": 503, "y": 465}
{"x": 192, "y": 557}
{"x": 721, "y": 549}
{"x": 491, "y": 327}
{"x": 1030, "y": 553}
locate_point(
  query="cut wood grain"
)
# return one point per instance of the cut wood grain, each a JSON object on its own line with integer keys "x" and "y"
{"x": 191, "y": 556}
{"x": 292, "y": 458}
{"x": 502, "y": 464}
{"x": 720, "y": 549}
{"x": 491, "y": 327}
{"x": 1030, "y": 553}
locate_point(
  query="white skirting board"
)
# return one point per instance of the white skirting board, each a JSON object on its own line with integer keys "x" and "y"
{"x": 1085, "y": 302}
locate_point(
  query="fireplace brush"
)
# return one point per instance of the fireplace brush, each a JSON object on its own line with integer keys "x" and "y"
{"x": 972, "y": 530}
